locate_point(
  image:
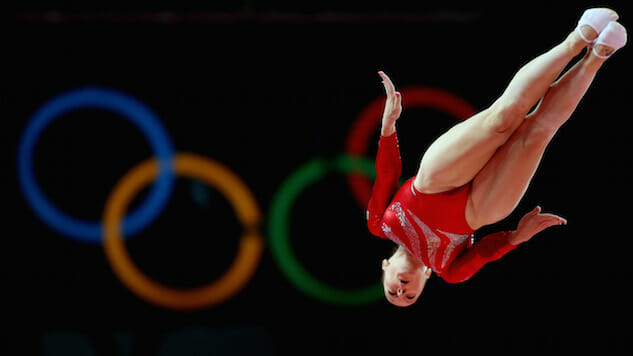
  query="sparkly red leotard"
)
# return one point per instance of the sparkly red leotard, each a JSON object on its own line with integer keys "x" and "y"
{"x": 432, "y": 227}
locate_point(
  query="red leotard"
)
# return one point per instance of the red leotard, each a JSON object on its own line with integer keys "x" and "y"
{"x": 432, "y": 227}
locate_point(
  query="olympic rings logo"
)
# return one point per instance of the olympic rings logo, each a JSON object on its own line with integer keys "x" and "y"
{"x": 161, "y": 170}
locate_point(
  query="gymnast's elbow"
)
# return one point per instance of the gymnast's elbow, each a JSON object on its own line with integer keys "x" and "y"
{"x": 374, "y": 226}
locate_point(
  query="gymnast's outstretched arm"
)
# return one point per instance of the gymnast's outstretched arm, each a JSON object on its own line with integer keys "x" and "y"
{"x": 494, "y": 246}
{"x": 388, "y": 162}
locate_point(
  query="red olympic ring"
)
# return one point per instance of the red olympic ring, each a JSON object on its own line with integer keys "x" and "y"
{"x": 368, "y": 120}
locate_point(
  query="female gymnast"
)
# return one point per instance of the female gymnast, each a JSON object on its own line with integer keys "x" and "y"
{"x": 476, "y": 173}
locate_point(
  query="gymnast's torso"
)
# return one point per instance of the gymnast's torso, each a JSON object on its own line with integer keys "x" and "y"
{"x": 432, "y": 227}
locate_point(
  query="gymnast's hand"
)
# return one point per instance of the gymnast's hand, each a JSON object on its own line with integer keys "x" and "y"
{"x": 533, "y": 223}
{"x": 393, "y": 106}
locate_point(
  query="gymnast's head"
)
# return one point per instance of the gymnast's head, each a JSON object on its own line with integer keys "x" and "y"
{"x": 403, "y": 278}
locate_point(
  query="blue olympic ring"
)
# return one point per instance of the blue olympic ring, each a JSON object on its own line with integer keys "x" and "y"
{"x": 121, "y": 104}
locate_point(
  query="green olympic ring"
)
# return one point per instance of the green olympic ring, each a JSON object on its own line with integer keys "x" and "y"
{"x": 279, "y": 235}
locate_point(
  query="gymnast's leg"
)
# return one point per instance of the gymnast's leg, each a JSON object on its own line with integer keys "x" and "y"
{"x": 500, "y": 185}
{"x": 456, "y": 157}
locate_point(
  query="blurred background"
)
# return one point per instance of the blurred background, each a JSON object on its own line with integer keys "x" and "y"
{"x": 265, "y": 87}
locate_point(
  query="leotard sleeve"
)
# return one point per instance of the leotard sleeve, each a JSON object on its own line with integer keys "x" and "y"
{"x": 490, "y": 248}
{"x": 388, "y": 170}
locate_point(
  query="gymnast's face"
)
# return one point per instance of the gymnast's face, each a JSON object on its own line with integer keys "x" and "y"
{"x": 403, "y": 279}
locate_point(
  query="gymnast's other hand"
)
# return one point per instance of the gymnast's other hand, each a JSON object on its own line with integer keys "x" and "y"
{"x": 532, "y": 223}
{"x": 393, "y": 106}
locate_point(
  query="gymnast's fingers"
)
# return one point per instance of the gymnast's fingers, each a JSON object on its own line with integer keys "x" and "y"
{"x": 389, "y": 88}
{"x": 555, "y": 219}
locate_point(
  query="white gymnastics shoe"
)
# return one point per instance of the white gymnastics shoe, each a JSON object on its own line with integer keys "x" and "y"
{"x": 613, "y": 36}
{"x": 596, "y": 18}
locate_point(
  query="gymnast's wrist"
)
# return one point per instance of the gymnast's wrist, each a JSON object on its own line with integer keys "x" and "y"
{"x": 388, "y": 128}
{"x": 516, "y": 238}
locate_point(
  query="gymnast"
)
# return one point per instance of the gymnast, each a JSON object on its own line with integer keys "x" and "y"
{"x": 476, "y": 173}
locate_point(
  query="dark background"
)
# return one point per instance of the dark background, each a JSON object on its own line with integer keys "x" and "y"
{"x": 265, "y": 87}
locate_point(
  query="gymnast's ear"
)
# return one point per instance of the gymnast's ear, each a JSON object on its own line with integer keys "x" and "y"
{"x": 385, "y": 264}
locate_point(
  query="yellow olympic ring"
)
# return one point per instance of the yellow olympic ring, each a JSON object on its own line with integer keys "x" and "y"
{"x": 229, "y": 185}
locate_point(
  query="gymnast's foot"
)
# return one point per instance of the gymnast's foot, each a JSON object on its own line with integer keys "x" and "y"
{"x": 612, "y": 38}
